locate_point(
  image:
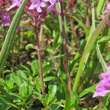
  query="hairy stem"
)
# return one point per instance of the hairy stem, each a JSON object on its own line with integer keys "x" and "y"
{"x": 64, "y": 45}
{"x": 39, "y": 58}
{"x": 100, "y": 102}
{"x": 87, "y": 15}
{"x": 71, "y": 20}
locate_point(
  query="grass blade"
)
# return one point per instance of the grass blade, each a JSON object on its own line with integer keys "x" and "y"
{"x": 67, "y": 93}
{"x": 10, "y": 35}
{"x": 88, "y": 49}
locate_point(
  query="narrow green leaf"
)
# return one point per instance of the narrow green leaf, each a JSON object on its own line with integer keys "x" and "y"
{"x": 15, "y": 79}
{"x": 19, "y": 78}
{"x": 27, "y": 70}
{"x": 88, "y": 90}
{"x": 67, "y": 93}
{"x": 22, "y": 77}
{"x": 74, "y": 101}
{"x": 49, "y": 78}
{"x": 10, "y": 35}
{"x": 23, "y": 90}
{"x": 93, "y": 63}
{"x": 93, "y": 24}
{"x": 80, "y": 23}
{"x": 52, "y": 89}
{"x": 16, "y": 95}
{"x": 7, "y": 102}
{"x": 57, "y": 105}
{"x": 46, "y": 69}
{"x": 35, "y": 67}
{"x": 100, "y": 6}
{"x": 79, "y": 53}
{"x": 104, "y": 66}
{"x": 4, "y": 106}
{"x": 104, "y": 39}
{"x": 30, "y": 46}
{"x": 88, "y": 49}
{"x": 38, "y": 84}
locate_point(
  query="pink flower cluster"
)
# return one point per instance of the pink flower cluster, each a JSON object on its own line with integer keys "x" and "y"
{"x": 108, "y": 9}
{"x": 15, "y": 3}
{"x": 36, "y": 5}
{"x": 5, "y": 18}
{"x": 38, "y": 8}
{"x": 104, "y": 85}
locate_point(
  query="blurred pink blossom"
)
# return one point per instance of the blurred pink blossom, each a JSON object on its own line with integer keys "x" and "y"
{"x": 108, "y": 9}
{"x": 38, "y": 5}
{"x": 104, "y": 85}
{"x": 5, "y": 18}
{"x": 15, "y": 3}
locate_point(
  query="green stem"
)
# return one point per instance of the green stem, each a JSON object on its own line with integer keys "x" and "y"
{"x": 104, "y": 66}
{"x": 39, "y": 58}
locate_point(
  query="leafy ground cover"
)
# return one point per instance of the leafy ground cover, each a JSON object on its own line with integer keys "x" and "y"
{"x": 54, "y": 55}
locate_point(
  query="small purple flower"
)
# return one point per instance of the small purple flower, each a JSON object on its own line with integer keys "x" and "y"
{"x": 108, "y": 6}
{"x": 27, "y": 27}
{"x": 108, "y": 9}
{"x": 38, "y": 5}
{"x": 100, "y": 93}
{"x": 108, "y": 65}
{"x": 104, "y": 85}
{"x": 51, "y": 1}
{"x": 5, "y": 19}
{"x": 52, "y": 8}
{"x": 105, "y": 75}
{"x": 15, "y": 3}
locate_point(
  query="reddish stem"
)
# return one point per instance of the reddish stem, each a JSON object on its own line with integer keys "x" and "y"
{"x": 39, "y": 58}
{"x": 71, "y": 20}
{"x": 100, "y": 102}
{"x": 87, "y": 15}
{"x": 64, "y": 45}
